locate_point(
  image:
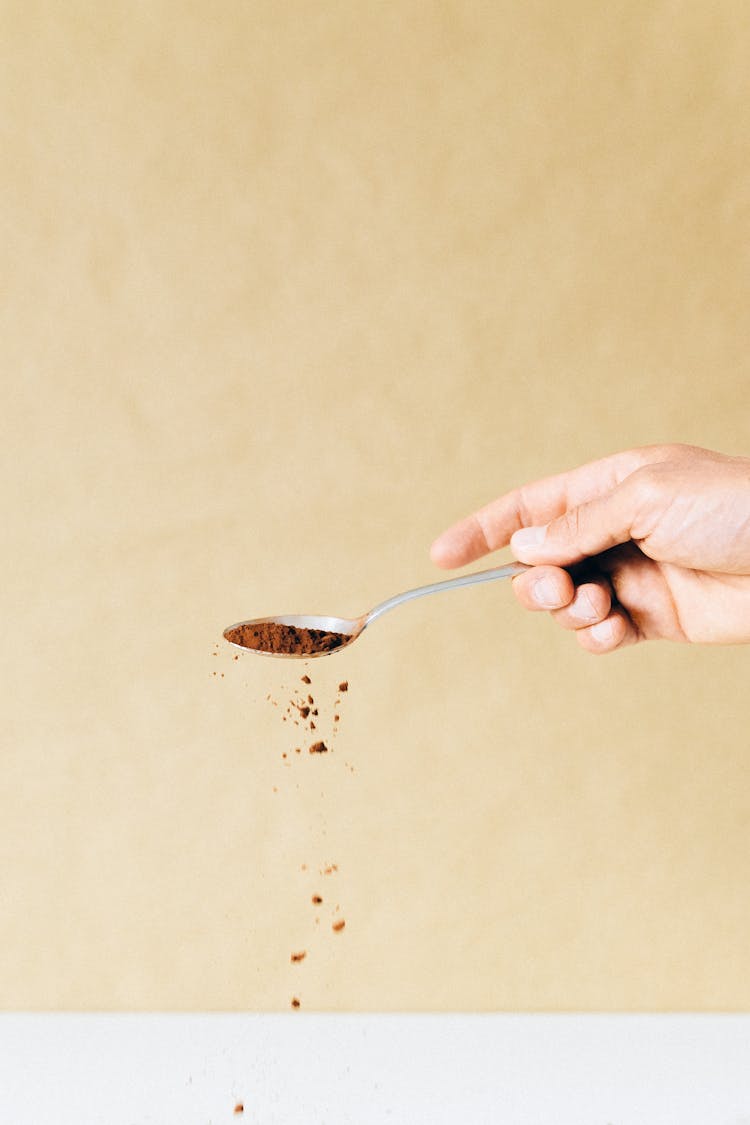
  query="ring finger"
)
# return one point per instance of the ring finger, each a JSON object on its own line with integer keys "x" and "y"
{"x": 591, "y": 603}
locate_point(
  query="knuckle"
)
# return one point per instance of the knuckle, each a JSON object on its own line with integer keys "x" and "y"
{"x": 484, "y": 527}
{"x": 571, "y": 524}
{"x": 523, "y": 508}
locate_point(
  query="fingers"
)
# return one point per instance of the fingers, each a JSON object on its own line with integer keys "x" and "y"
{"x": 585, "y": 530}
{"x": 591, "y": 604}
{"x": 544, "y": 588}
{"x": 573, "y": 607}
{"x": 588, "y": 609}
{"x": 535, "y": 504}
{"x": 462, "y": 543}
{"x": 615, "y": 631}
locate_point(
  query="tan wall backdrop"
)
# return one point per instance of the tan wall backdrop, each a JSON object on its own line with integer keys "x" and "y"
{"x": 287, "y": 287}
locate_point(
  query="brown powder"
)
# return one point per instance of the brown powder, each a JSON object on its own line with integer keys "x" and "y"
{"x": 306, "y": 680}
{"x": 318, "y": 748}
{"x": 239, "y": 1108}
{"x": 317, "y": 900}
{"x": 270, "y": 636}
{"x": 295, "y": 1002}
{"x": 298, "y": 956}
{"x": 338, "y": 926}
{"x": 344, "y": 685}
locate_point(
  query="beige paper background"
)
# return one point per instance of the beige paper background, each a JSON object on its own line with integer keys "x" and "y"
{"x": 286, "y": 288}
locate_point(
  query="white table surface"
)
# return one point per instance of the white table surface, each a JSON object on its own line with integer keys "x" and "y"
{"x": 304, "y": 1068}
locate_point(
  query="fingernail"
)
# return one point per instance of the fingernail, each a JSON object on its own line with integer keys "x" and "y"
{"x": 602, "y": 631}
{"x": 545, "y": 593}
{"x": 584, "y": 607}
{"x": 528, "y": 537}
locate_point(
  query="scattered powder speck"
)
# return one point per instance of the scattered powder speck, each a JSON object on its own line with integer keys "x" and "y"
{"x": 300, "y": 710}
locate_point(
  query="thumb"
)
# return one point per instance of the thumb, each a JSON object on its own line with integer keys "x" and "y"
{"x": 580, "y": 532}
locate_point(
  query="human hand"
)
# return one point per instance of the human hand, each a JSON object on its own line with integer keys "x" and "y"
{"x": 655, "y": 543}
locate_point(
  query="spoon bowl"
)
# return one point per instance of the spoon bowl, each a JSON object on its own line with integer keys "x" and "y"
{"x": 304, "y": 636}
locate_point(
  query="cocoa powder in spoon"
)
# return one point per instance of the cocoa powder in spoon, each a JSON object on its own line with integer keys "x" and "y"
{"x": 271, "y": 636}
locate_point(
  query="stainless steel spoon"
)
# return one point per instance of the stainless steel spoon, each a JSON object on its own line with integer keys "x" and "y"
{"x": 334, "y": 633}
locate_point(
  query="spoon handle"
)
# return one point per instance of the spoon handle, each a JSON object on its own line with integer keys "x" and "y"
{"x": 507, "y": 571}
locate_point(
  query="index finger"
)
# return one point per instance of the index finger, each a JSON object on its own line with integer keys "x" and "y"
{"x": 535, "y": 504}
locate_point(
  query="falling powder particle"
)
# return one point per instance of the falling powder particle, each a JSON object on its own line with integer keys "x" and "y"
{"x": 344, "y": 685}
{"x": 306, "y": 680}
{"x": 330, "y": 870}
{"x": 239, "y": 1108}
{"x": 317, "y": 900}
{"x": 298, "y": 956}
{"x": 338, "y": 926}
{"x": 295, "y": 1002}
{"x": 318, "y": 748}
